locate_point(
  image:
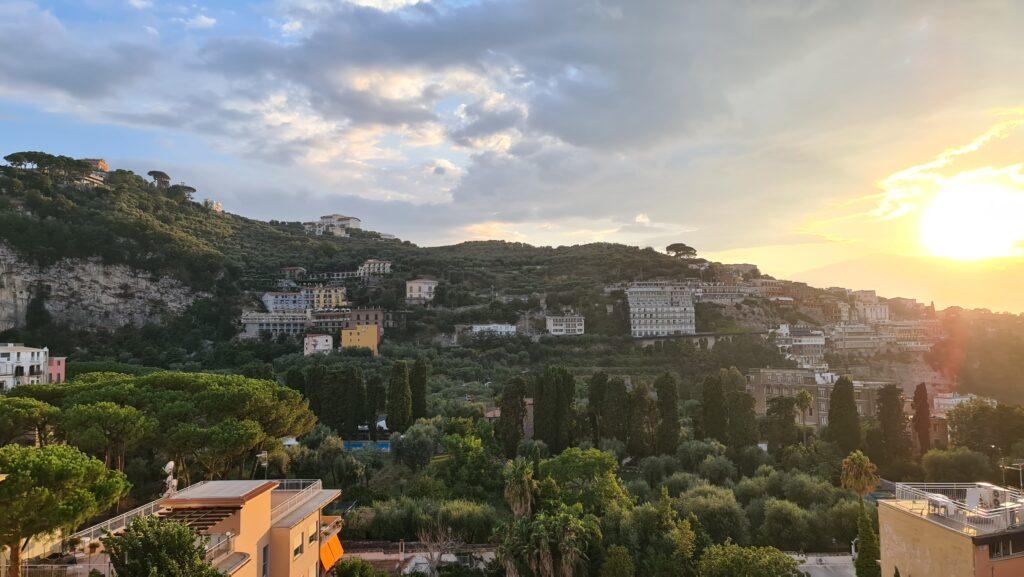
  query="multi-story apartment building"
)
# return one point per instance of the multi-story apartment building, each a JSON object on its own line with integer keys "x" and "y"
{"x": 264, "y": 528}
{"x": 660, "y": 309}
{"x": 331, "y": 321}
{"x": 376, "y": 317}
{"x": 952, "y": 530}
{"x": 767, "y": 287}
{"x": 722, "y": 293}
{"x": 913, "y": 335}
{"x": 766, "y": 384}
{"x": 361, "y": 336}
{"x": 21, "y": 365}
{"x": 803, "y": 345}
{"x": 943, "y": 403}
{"x": 332, "y": 225}
{"x": 496, "y": 329}
{"x": 317, "y": 345}
{"x": 374, "y": 267}
{"x": 871, "y": 313}
{"x": 856, "y": 339}
{"x": 568, "y": 324}
{"x": 316, "y": 297}
{"x": 420, "y": 291}
{"x": 836, "y": 312}
{"x": 274, "y": 324}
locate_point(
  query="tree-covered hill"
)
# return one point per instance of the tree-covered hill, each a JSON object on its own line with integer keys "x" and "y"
{"x": 157, "y": 228}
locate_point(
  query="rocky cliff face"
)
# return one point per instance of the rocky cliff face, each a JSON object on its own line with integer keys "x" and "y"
{"x": 86, "y": 294}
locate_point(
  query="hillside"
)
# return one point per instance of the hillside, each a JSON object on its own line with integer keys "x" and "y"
{"x": 133, "y": 230}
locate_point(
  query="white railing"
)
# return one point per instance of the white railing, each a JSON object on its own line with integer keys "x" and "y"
{"x": 950, "y": 501}
{"x": 223, "y": 544}
{"x": 72, "y": 570}
{"x": 304, "y": 489}
{"x": 115, "y": 524}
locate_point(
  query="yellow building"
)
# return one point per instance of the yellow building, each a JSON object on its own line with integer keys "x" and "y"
{"x": 365, "y": 336}
{"x": 272, "y": 528}
{"x": 327, "y": 297}
{"x": 952, "y": 530}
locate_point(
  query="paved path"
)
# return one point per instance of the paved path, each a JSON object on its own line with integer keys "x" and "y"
{"x": 829, "y": 566}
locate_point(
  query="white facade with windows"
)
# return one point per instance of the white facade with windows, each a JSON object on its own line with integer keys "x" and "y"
{"x": 561, "y": 325}
{"x": 501, "y": 330}
{"x": 21, "y": 365}
{"x": 374, "y": 267}
{"x": 288, "y": 323}
{"x": 659, "y": 309}
{"x": 420, "y": 290}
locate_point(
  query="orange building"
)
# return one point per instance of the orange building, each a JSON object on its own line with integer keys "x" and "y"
{"x": 952, "y": 530}
{"x": 361, "y": 336}
{"x": 270, "y": 528}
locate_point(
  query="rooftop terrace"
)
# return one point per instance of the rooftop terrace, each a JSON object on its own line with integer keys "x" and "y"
{"x": 974, "y": 509}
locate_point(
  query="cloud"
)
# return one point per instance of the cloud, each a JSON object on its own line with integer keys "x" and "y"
{"x": 200, "y": 21}
{"x": 140, "y": 4}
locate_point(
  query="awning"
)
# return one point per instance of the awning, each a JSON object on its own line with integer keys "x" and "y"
{"x": 330, "y": 552}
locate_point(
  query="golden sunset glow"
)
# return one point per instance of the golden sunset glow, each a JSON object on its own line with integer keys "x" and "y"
{"x": 975, "y": 216}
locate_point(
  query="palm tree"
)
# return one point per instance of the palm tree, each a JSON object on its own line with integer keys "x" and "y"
{"x": 803, "y": 403}
{"x": 519, "y": 486}
{"x": 859, "y": 474}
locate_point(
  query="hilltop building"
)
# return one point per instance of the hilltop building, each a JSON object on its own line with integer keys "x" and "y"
{"x": 496, "y": 329}
{"x": 21, "y": 365}
{"x": 943, "y": 403}
{"x": 952, "y": 529}
{"x": 803, "y": 345}
{"x": 567, "y": 324}
{"x": 97, "y": 176}
{"x": 308, "y": 298}
{"x": 856, "y": 339}
{"x": 420, "y": 291}
{"x": 660, "y": 309}
{"x": 374, "y": 267}
{"x": 274, "y": 324}
{"x": 332, "y": 225}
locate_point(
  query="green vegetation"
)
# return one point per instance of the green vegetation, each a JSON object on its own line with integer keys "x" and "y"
{"x": 151, "y": 546}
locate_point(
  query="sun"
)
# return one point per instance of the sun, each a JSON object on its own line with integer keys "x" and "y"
{"x": 973, "y": 219}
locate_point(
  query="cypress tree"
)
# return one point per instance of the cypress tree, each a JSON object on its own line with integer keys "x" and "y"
{"x": 741, "y": 418}
{"x": 376, "y": 402}
{"x": 780, "y": 424}
{"x": 614, "y": 417}
{"x": 597, "y": 387}
{"x": 418, "y": 384}
{"x": 922, "y": 418}
{"x": 668, "y": 414}
{"x": 892, "y": 423}
{"x": 399, "y": 401}
{"x": 843, "y": 419}
{"x": 354, "y": 405}
{"x": 643, "y": 421}
{"x": 555, "y": 390}
{"x": 509, "y": 428}
{"x": 712, "y": 408}
{"x": 867, "y": 546}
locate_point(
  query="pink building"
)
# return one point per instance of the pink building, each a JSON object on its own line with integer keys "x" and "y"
{"x": 56, "y": 368}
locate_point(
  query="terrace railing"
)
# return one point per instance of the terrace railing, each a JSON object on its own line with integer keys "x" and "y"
{"x": 949, "y": 501}
{"x": 304, "y": 489}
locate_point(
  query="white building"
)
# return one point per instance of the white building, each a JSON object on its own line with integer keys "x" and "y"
{"x": 561, "y": 325}
{"x": 943, "y": 403}
{"x": 420, "y": 290}
{"x": 659, "y": 309}
{"x": 722, "y": 293}
{"x": 317, "y": 345}
{"x": 374, "y": 267}
{"x": 279, "y": 302}
{"x": 872, "y": 313}
{"x": 497, "y": 329}
{"x": 21, "y": 365}
{"x": 286, "y": 323}
{"x": 803, "y": 345}
{"x": 332, "y": 225}
{"x": 915, "y": 335}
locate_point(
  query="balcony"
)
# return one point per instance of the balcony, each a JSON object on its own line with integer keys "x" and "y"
{"x": 970, "y": 508}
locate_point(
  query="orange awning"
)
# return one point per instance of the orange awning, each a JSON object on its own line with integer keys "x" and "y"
{"x": 330, "y": 552}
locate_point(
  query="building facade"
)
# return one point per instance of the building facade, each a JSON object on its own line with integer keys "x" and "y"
{"x": 374, "y": 267}
{"x": 495, "y": 329}
{"x": 317, "y": 345}
{"x": 261, "y": 528}
{"x": 274, "y": 324}
{"x": 804, "y": 345}
{"x": 420, "y": 291}
{"x": 21, "y": 365}
{"x": 766, "y": 384}
{"x": 361, "y": 336}
{"x": 57, "y": 369}
{"x": 660, "y": 309}
{"x": 952, "y": 530}
{"x": 564, "y": 325}
{"x": 332, "y": 225}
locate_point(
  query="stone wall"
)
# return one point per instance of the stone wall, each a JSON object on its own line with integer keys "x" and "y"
{"x": 87, "y": 294}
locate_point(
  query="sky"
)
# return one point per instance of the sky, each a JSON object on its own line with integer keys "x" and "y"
{"x": 799, "y": 135}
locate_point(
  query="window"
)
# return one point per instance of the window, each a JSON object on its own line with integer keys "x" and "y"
{"x": 298, "y": 544}
{"x": 265, "y": 565}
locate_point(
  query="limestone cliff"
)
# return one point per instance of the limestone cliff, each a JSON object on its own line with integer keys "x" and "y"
{"x": 87, "y": 294}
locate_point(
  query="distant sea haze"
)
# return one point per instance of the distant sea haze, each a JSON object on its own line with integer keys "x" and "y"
{"x": 995, "y": 284}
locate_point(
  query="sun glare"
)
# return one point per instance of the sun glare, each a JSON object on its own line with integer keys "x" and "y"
{"x": 972, "y": 220}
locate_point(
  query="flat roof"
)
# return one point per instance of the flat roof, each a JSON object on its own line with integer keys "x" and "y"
{"x": 315, "y": 502}
{"x": 219, "y": 492}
